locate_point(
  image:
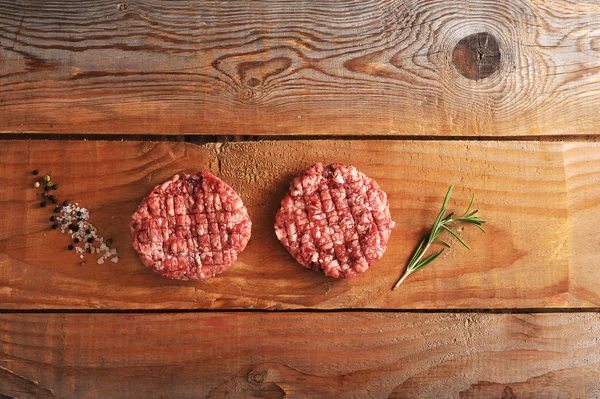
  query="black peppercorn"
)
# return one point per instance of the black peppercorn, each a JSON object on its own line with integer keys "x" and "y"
{"x": 36, "y": 172}
{"x": 54, "y": 200}
{"x": 88, "y": 231}
{"x": 90, "y": 240}
{"x": 70, "y": 247}
{"x": 55, "y": 187}
{"x": 57, "y": 210}
{"x": 51, "y": 197}
{"x": 52, "y": 218}
{"x": 54, "y": 226}
{"x": 76, "y": 240}
{"x": 42, "y": 204}
{"x": 78, "y": 213}
{"x": 66, "y": 203}
{"x": 47, "y": 188}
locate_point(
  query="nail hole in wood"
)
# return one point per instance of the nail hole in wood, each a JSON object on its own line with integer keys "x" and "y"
{"x": 477, "y": 56}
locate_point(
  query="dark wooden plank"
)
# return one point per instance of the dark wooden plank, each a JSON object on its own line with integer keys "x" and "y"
{"x": 402, "y": 67}
{"x": 275, "y": 355}
{"x": 541, "y": 201}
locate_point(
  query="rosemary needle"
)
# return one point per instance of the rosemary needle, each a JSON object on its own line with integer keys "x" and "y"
{"x": 440, "y": 225}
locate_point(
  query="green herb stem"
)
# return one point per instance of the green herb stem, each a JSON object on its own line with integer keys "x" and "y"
{"x": 409, "y": 270}
{"x": 440, "y": 225}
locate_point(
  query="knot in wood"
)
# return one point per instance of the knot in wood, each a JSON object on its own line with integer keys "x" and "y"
{"x": 246, "y": 94}
{"x": 477, "y": 56}
{"x": 123, "y": 6}
{"x": 253, "y": 82}
{"x": 256, "y": 377}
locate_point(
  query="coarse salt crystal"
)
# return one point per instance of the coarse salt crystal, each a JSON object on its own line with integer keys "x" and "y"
{"x": 68, "y": 218}
{"x": 115, "y": 259}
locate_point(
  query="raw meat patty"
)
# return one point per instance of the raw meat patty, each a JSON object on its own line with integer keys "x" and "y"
{"x": 190, "y": 227}
{"x": 334, "y": 219}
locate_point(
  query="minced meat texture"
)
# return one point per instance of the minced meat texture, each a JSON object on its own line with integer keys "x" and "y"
{"x": 334, "y": 219}
{"x": 190, "y": 227}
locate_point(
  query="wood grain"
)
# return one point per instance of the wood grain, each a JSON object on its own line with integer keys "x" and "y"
{"x": 377, "y": 67}
{"x": 275, "y": 355}
{"x": 541, "y": 201}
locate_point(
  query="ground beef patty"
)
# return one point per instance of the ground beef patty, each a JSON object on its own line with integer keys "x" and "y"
{"x": 334, "y": 219}
{"x": 190, "y": 227}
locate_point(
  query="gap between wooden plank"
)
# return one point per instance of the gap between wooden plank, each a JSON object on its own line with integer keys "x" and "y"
{"x": 204, "y": 139}
{"x": 346, "y": 310}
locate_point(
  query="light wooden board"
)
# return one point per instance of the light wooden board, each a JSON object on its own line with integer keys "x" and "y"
{"x": 275, "y": 355}
{"x": 297, "y": 67}
{"x": 541, "y": 201}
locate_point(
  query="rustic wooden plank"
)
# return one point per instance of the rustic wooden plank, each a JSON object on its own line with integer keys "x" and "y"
{"x": 402, "y": 67}
{"x": 275, "y": 355}
{"x": 581, "y": 171}
{"x": 540, "y": 199}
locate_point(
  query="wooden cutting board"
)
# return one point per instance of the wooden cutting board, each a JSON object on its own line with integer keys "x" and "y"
{"x": 539, "y": 200}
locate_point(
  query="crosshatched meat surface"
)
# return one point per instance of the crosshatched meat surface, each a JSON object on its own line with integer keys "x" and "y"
{"x": 334, "y": 219}
{"x": 190, "y": 227}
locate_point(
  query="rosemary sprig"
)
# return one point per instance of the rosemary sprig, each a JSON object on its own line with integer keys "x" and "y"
{"x": 440, "y": 225}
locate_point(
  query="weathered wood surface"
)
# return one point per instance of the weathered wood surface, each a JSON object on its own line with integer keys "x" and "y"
{"x": 541, "y": 201}
{"x": 275, "y": 355}
{"x": 290, "y": 67}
